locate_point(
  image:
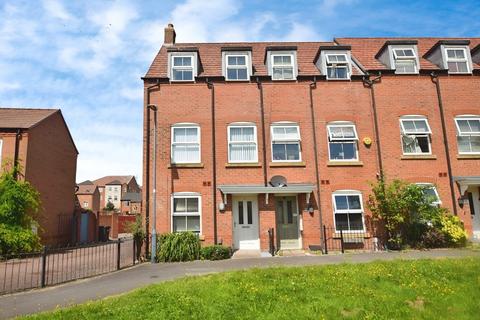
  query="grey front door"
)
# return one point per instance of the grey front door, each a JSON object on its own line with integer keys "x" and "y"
{"x": 287, "y": 220}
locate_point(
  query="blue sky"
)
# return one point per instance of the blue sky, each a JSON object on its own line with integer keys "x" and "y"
{"x": 87, "y": 57}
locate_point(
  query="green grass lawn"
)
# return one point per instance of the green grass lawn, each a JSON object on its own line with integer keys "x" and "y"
{"x": 423, "y": 289}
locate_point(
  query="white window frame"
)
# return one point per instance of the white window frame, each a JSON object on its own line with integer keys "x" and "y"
{"x": 404, "y": 58}
{"x": 427, "y": 134}
{"x": 243, "y": 125}
{"x": 286, "y": 141}
{"x": 347, "y": 211}
{"x": 292, "y": 59}
{"x": 246, "y": 67}
{"x": 85, "y": 204}
{"x": 344, "y": 140}
{"x": 173, "y": 67}
{"x": 172, "y": 143}
{"x": 184, "y": 195}
{"x": 335, "y": 64}
{"x": 470, "y": 134}
{"x": 466, "y": 59}
{"x": 434, "y": 188}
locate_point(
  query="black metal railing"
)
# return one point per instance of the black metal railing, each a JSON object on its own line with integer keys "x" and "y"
{"x": 55, "y": 265}
{"x": 271, "y": 241}
{"x": 351, "y": 240}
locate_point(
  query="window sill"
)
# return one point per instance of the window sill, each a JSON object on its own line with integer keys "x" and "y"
{"x": 344, "y": 164}
{"x": 185, "y": 165}
{"x": 287, "y": 164}
{"x": 468, "y": 156}
{"x": 201, "y": 237}
{"x": 419, "y": 157}
{"x": 350, "y": 235}
{"x": 243, "y": 165}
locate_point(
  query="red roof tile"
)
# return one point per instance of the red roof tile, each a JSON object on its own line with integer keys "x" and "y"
{"x": 365, "y": 49}
{"x": 19, "y": 118}
{"x": 211, "y": 57}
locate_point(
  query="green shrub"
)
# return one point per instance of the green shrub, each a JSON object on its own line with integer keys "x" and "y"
{"x": 432, "y": 238}
{"x": 452, "y": 228}
{"x": 216, "y": 252}
{"x": 179, "y": 246}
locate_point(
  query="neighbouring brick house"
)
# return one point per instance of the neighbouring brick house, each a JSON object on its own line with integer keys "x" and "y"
{"x": 39, "y": 140}
{"x": 131, "y": 203}
{"x": 88, "y": 196}
{"x": 112, "y": 188}
{"x": 253, "y": 136}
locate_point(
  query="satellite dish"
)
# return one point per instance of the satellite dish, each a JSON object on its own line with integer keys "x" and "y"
{"x": 278, "y": 181}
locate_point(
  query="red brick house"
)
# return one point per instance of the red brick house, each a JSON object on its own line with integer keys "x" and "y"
{"x": 88, "y": 196}
{"x": 253, "y": 136}
{"x": 112, "y": 188}
{"x": 39, "y": 140}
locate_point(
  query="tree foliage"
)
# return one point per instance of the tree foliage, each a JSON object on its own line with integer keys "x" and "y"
{"x": 19, "y": 206}
{"x": 410, "y": 217}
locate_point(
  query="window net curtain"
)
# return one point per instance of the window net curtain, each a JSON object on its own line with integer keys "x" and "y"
{"x": 185, "y": 147}
{"x": 242, "y": 144}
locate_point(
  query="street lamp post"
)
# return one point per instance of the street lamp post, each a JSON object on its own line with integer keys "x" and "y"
{"x": 154, "y": 182}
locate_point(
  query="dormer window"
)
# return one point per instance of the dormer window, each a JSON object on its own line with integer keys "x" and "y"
{"x": 337, "y": 66}
{"x": 457, "y": 61}
{"x": 182, "y": 66}
{"x": 237, "y": 67}
{"x": 281, "y": 62}
{"x": 405, "y": 60}
{"x": 282, "y": 67}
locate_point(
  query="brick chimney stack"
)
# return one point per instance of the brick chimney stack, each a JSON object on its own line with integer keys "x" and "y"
{"x": 169, "y": 35}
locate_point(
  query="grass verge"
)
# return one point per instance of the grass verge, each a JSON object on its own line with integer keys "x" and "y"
{"x": 421, "y": 289}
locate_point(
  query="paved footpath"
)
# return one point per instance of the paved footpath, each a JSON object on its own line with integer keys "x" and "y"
{"x": 123, "y": 281}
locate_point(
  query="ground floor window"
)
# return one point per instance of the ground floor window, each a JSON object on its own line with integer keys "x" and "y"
{"x": 186, "y": 213}
{"x": 348, "y": 211}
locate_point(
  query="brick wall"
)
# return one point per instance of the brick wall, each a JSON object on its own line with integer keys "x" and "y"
{"x": 333, "y": 101}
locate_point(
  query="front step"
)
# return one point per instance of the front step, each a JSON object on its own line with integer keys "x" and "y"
{"x": 291, "y": 253}
{"x": 243, "y": 254}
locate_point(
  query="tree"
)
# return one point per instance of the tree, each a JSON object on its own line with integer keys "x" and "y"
{"x": 109, "y": 206}
{"x": 405, "y": 211}
{"x": 19, "y": 206}
{"x": 138, "y": 231}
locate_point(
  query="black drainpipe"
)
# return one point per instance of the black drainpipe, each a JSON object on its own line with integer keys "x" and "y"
{"x": 264, "y": 138}
{"x": 369, "y": 84}
{"x": 436, "y": 81}
{"x": 18, "y": 135}
{"x": 214, "y": 164}
{"x": 147, "y": 170}
{"x": 312, "y": 86}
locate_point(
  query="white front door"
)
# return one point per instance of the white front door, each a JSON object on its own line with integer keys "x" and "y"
{"x": 245, "y": 223}
{"x": 474, "y": 202}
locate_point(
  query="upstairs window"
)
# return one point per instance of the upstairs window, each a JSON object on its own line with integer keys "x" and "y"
{"x": 236, "y": 67}
{"x": 242, "y": 143}
{"x": 457, "y": 60}
{"x": 282, "y": 67}
{"x": 342, "y": 142}
{"x": 186, "y": 213}
{"x": 182, "y": 68}
{"x": 348, "y": 211}
{"x": 185, "y": 144}
{"x": 415, "y": 135}
{"x": 285, "y": 143}
{"x": 430, "y": 193}
{"x": 405, "y": 60}
{"x": 468, "y": 134}
{"x": 85, "y": 204}
{"x": 337, "y": 66}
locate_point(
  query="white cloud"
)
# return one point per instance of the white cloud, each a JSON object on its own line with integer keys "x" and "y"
{"x": 56, "y": 10}
{"x": 301, "y": 32}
